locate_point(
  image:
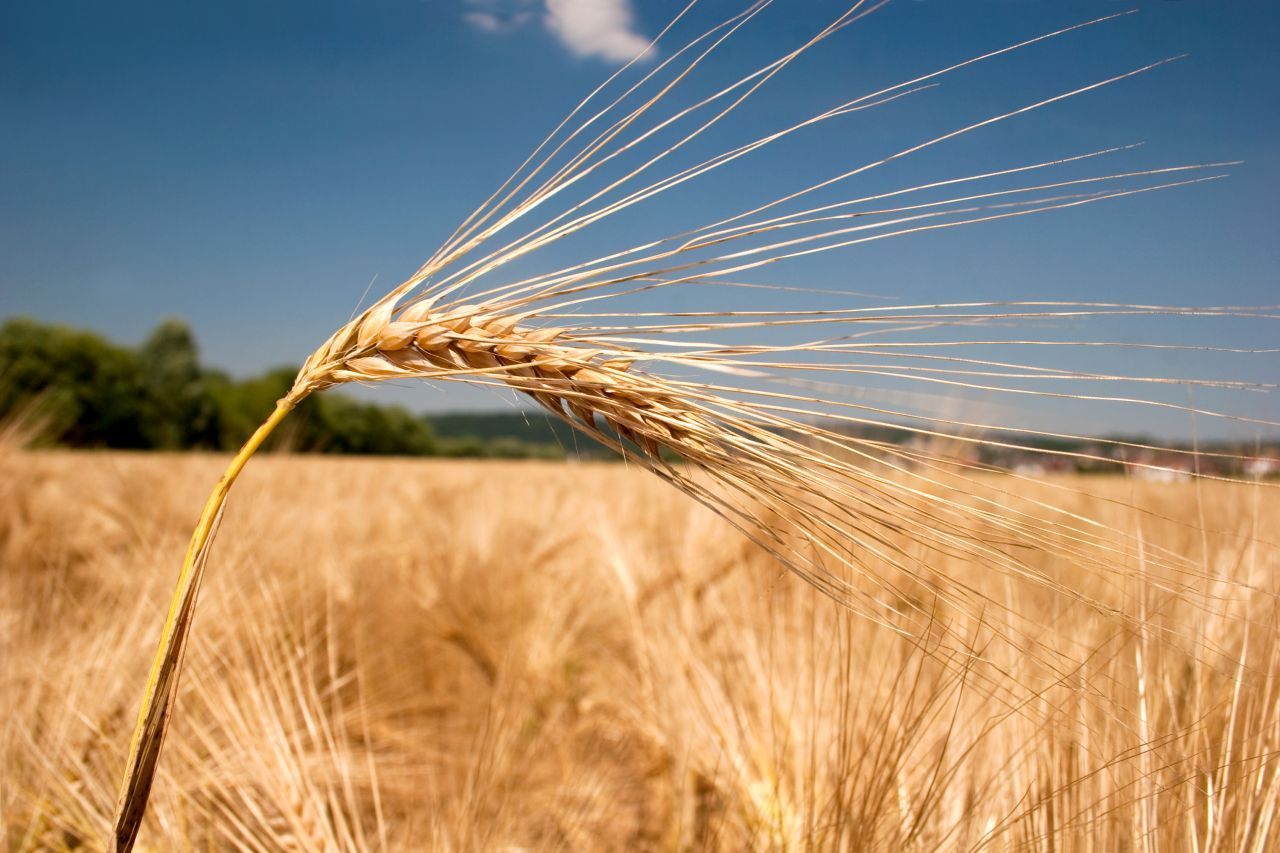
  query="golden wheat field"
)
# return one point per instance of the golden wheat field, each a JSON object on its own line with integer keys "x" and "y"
{"x": 400, "y": 655}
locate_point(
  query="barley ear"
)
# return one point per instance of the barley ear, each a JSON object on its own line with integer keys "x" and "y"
{"x": 162, "y": 684}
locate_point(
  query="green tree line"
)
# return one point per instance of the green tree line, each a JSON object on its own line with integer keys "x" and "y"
{"x": 85, "y": 391}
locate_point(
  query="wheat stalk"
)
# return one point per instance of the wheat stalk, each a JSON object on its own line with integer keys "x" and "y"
{"x": 770, "y": 453}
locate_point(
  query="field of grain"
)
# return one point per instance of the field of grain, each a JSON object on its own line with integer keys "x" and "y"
{"x": 409, "y": 655}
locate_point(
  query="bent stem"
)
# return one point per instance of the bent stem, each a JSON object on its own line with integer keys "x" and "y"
{"x": 162, "y": 684}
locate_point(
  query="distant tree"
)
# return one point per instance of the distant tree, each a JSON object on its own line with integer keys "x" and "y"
{"x": 178, "y": 409}
{"x": 86, "y": 389}
{"x": 241, "y": 406}
{"x": 344, "y": 426}
{"x": 89, "y": 392}
{"x": 469, "y": 447}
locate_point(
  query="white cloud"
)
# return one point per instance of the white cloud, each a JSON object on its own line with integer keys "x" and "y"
{"x": 492, "y": 22}
{"x": 498, "y": 16}
{"x": 601, "y": 28}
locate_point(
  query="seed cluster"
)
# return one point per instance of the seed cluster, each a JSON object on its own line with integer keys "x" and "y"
{"x": 595, "y": 389}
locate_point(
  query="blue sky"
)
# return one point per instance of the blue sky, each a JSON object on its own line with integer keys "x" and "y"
{"x": 251, "y": 166}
